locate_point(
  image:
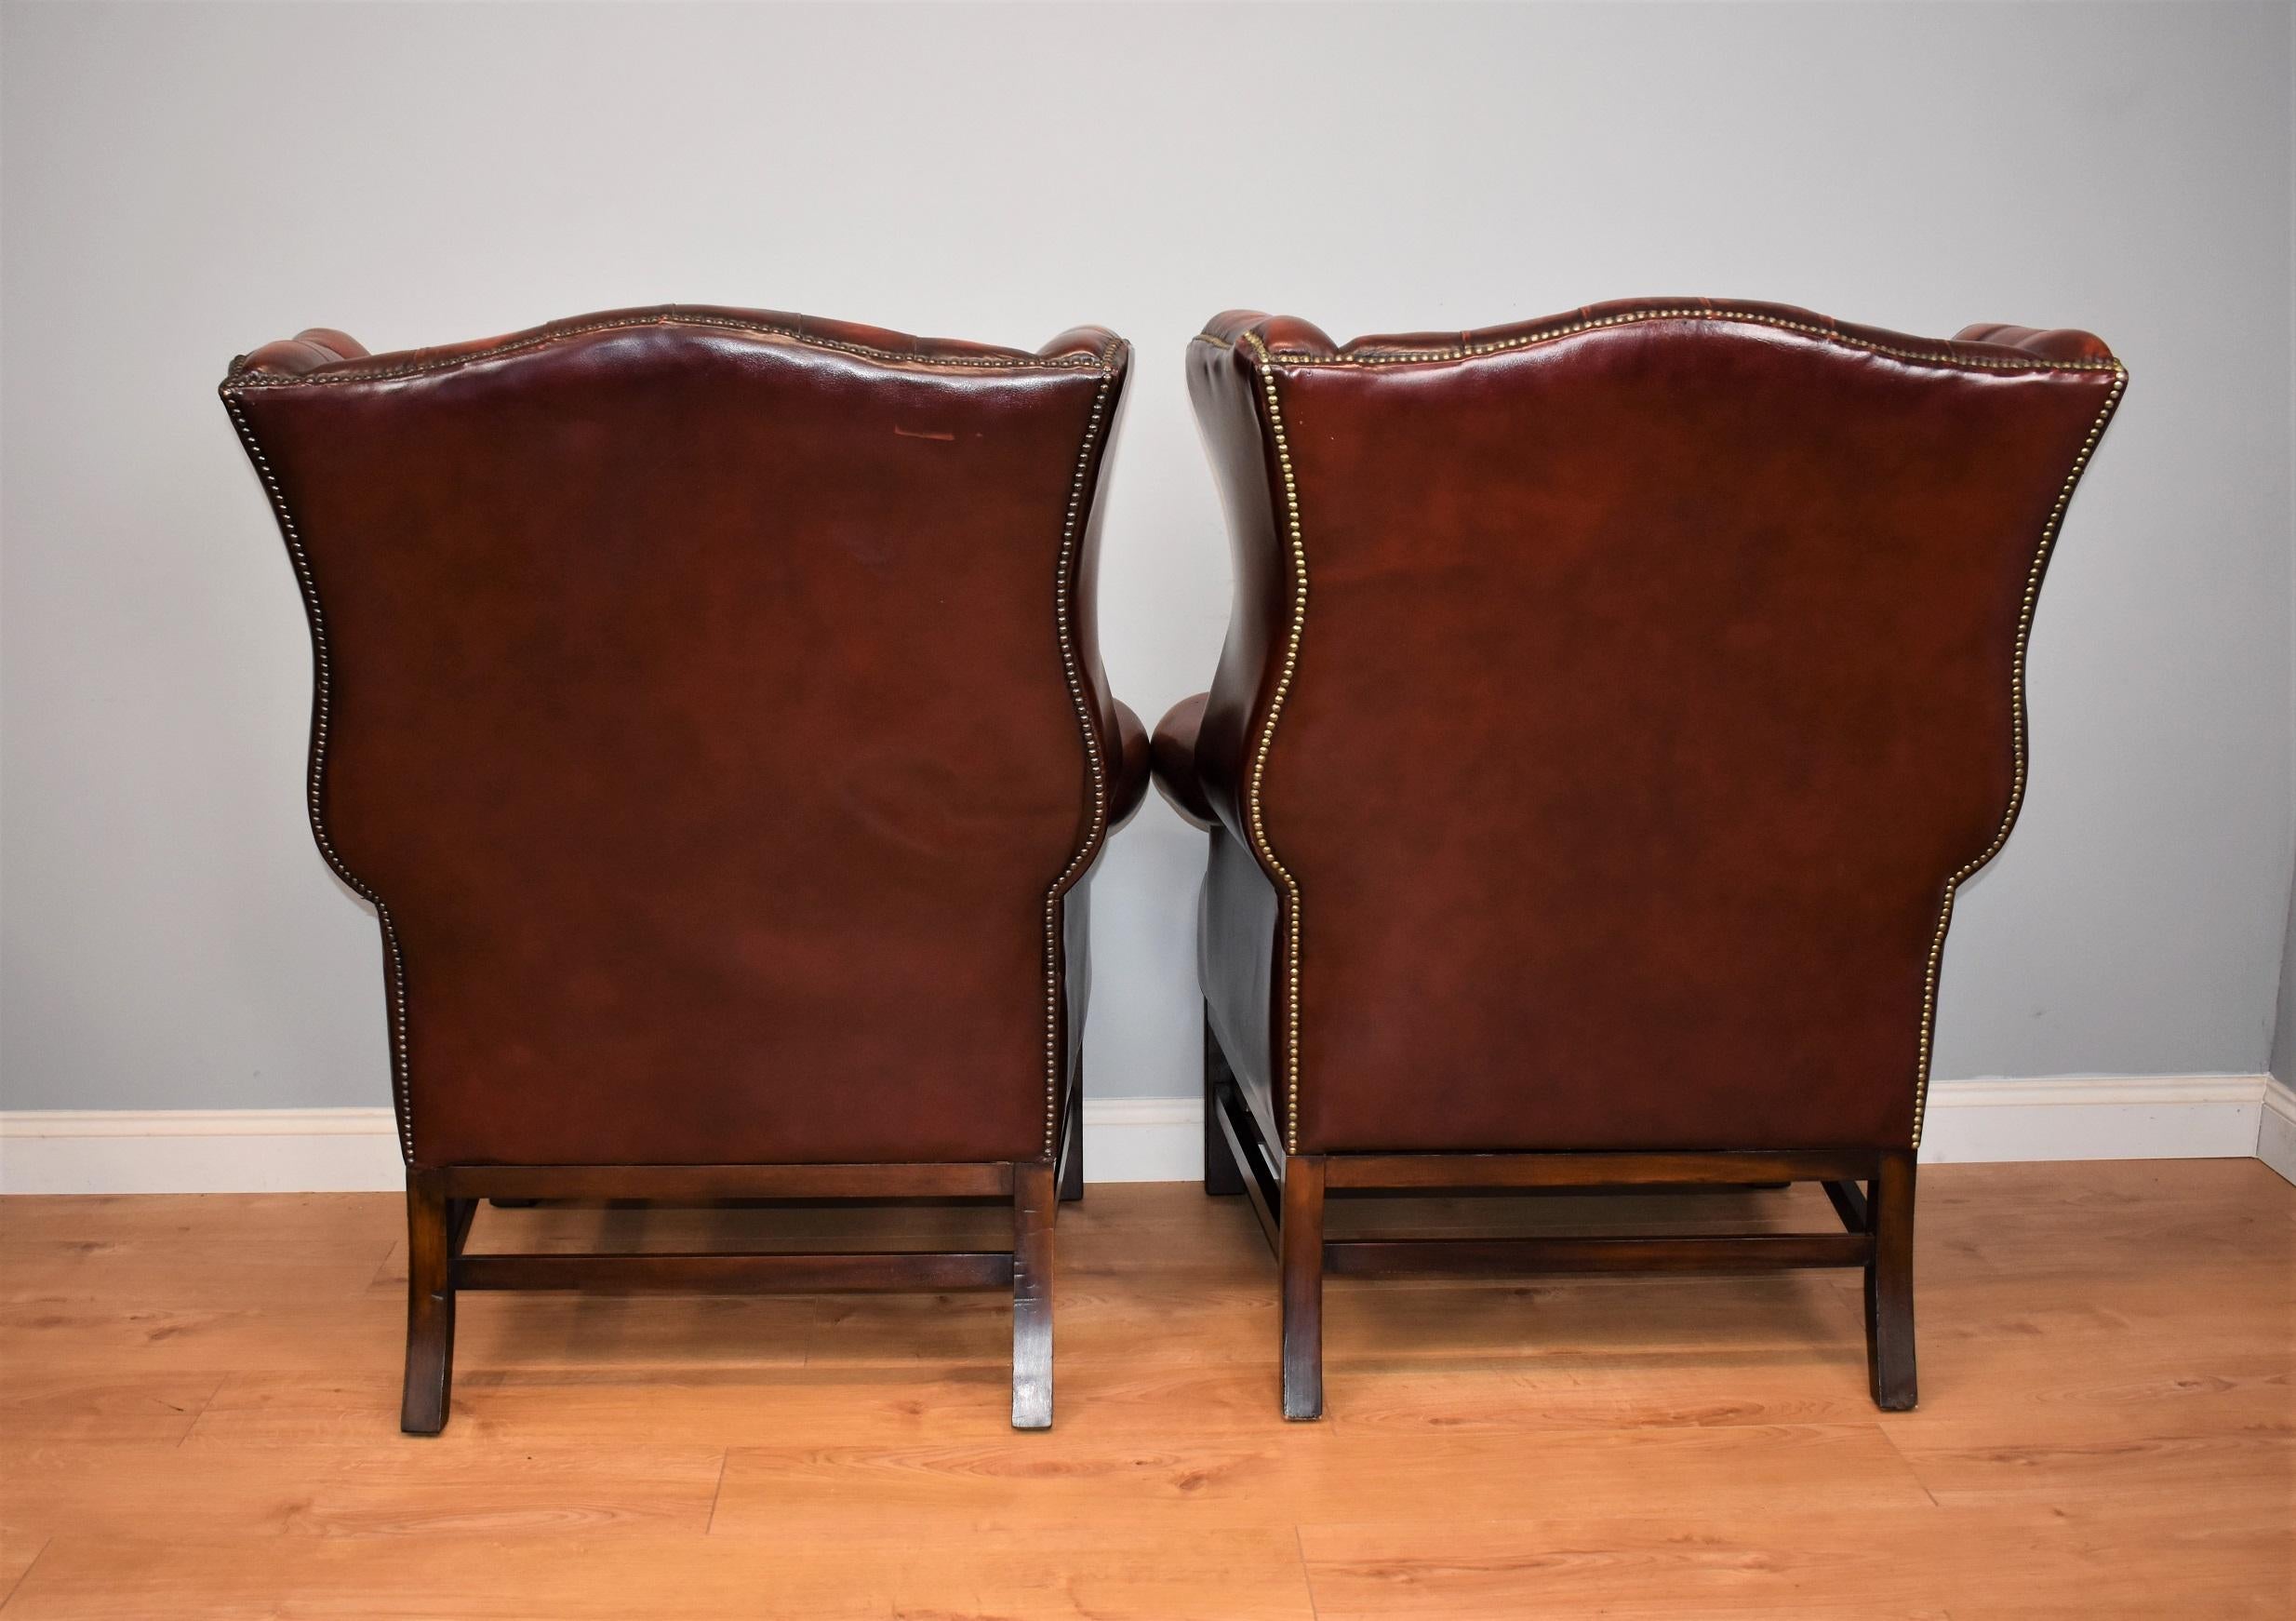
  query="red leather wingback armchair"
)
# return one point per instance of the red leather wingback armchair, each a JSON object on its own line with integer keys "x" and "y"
{"x": 708, "y": 704}
{"x": 1611, "y": 707}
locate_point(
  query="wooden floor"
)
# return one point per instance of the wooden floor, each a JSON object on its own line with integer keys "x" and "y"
{"x": 199, "y": 1398}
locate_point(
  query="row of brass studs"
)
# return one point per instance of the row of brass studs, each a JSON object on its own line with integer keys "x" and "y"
{"x": 1524, "y": 341}
{"x": 1071, "y": 529}
{"x": 1267, "y": 735}
{"x": 314, "y": 782}
{"x": 244, "y": 378}
{"x": 2017, "y": 786}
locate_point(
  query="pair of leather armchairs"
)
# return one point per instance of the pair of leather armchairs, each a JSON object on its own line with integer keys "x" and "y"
{"x": 709, "y": 703}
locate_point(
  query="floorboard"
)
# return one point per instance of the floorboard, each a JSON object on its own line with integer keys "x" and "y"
{"x": 198, "y": 1411}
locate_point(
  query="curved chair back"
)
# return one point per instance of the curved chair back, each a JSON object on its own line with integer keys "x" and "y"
{"x": 708, "y": 702}
{"x": 1611, "y": 707}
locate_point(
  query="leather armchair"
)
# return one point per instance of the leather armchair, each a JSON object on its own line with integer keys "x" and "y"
{"x": 1611, "y": 709}
{"x": 708, "y": 703}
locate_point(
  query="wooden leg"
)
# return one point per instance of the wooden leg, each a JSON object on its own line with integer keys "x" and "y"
{"x": 1033, "y": 1205}
{"x": 430, "y": 1304}
{"x": 1890, "y": 1286}
{"x": 1223, "y": 1175}
{"x": 1303, "y": 1286}
{"x": 1072, "y": 1140}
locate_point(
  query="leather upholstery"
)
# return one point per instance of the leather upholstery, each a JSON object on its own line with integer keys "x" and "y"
{"x": 710, "y": 701}
{"x": 1132, "y": 765}
{"x": 1655, "y": 676}
{"x": 1173, "y": 754}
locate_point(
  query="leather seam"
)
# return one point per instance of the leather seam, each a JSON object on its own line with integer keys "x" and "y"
{"x": 1072, "y": 531}
{"x": 243, "y": 378}
{"x": 322, "y": 706}
{"x": 1465, "y": 351}
{"x": 1297, "y": 548}
{"x": 2049, "y": 532}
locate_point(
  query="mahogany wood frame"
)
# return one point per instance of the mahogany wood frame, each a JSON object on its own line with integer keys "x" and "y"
{"x": 1288, "y": 1194}
{"x": 443, "y": 1201}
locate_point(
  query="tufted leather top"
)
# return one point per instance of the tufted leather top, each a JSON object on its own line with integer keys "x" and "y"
{"x": 1611, "y": 706}
{"x": 710, "y": 702}
{"x": 1290, "y": 338}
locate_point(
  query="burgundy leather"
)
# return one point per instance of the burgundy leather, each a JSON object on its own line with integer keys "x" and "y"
{"x": 697, "y": 704}
{"x": 1657, "y": 674}
{"x": 1132, "y": 765}
{"x": 1173, "y": 755}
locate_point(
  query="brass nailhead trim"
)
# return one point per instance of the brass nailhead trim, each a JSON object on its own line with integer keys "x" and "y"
{"x": 2017, "y": 701}
{"x": 1071, "y": 529}
{"x": 1677, "y": 312}
{"x": 321, "y": 713}
{"x": 1267, "y": 735}
{"x": 1466, "y": 351}
{"x": 240, "y": 377}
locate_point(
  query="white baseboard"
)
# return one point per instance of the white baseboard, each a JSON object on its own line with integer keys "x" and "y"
{"x": 2111, "y": 1117}
{"x": 1132, "y": 1139}
{"x": 1135, "y": 1139}
{"x": 199, "y": 1151}
{"x": 2275, "y": 1133}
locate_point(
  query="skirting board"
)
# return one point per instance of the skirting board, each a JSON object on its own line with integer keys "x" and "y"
{"x": 1138, "y": 1139}
{"x": 2276, "y": 1133}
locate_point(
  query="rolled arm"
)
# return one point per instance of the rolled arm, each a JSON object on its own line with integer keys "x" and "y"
{"x": 1173, "y": 755}
{"x": 2059, "y": 343}
{"x": 306, "y": 352}
{"x": 1131, "y": 766}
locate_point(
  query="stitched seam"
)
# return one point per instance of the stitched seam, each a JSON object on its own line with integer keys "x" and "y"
{"x": 1468, "y": 351}
{"x": 321, "y": 699}
{"x": 1072, "y": 531}
{"x": 2016, "y": 788}
{"x": 1298, "y": 548}
{"x": 244, "y": 378}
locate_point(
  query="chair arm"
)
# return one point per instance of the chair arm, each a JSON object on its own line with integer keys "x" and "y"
{"x": 1173, "y": 756}
{"x": 1130, "y": 774}
{"x": 306, "y": 352}
{"x": 2061, "y": 344}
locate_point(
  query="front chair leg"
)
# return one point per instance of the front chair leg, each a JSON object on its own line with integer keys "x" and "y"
{"x": 430, "y": 1304}
{"x": 1303, "y": 1234}
{"x": 1890, "y": 1286}
{"x": 1033, "y": 1200}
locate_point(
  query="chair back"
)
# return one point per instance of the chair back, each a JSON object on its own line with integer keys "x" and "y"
{"x": 1620, "y": 701}
{"x": 708, "y": 702}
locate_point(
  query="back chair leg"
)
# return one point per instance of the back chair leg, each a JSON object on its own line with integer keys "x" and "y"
{"x": 1303, "y": 1231}
{"x": 1033, "y": 1200}
{"x": 1890, "y": 1286}
{"x": 430, "y": 1304}
{"x": 1223, "y": 1175}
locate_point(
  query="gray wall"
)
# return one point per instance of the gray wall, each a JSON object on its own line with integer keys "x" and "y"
{"x": 186, "y": 183}
{"x": 2284, "y": 1030}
